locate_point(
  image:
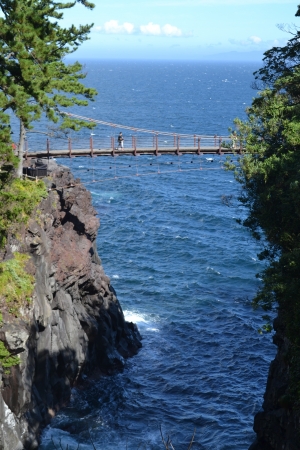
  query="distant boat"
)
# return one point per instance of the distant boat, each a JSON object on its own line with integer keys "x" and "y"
{"x": 210, "y": 159}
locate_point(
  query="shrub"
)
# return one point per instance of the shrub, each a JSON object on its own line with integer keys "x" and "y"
{"x": 16, "y": 285}
{"x": 17, "y": 202}
{"x": 7, "y": 360}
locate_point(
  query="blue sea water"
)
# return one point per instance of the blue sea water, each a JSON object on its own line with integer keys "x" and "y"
{"x": 183, "y": 268}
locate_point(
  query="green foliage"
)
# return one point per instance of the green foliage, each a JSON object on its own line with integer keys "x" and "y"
{"x": 270, "y": 177}
{"x": 281, "y": 61}
{"x": 16, "y": 284}
{"x": 8, "y": 161}
{"x": 7, "y": 360}
{"x": 17, "y": 202}
{"x": 34, "y": 79}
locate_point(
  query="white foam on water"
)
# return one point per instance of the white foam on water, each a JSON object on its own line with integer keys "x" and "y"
{"x": 110, "y": 195}
{"x": 116, "y": 277}
{"x": 135, "y": 317}
{"x": 155, "y": 330}
{"x": 211, "y": 269}
{"x": 96, "y": 193}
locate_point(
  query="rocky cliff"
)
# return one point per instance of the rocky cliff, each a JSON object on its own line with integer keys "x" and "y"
{"x": 74, "y": 324}
{"x": 278, "y": 425}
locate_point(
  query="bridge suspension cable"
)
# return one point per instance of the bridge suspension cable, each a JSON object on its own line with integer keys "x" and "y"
{"x": 141, "y": 130}
{"x": 135, "y": 175}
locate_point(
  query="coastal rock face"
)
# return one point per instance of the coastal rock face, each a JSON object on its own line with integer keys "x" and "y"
{"x": 75, "y": 324}
{"x": 277, "y": 426}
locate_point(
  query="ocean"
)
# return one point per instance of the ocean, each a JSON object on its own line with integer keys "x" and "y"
{"x": 183, "y": 268}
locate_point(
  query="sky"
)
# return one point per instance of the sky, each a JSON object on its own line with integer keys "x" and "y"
{"x": 184, "y": 29}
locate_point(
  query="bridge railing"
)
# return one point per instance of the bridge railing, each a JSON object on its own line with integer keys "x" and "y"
{"x": 132, "y": 141}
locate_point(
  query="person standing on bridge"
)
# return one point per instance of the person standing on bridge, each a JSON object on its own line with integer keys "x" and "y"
{"x": 120, "y": 141}
{"x": 234, "y": 140}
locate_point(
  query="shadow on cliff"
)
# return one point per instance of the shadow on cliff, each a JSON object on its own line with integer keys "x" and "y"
{"x": 51, "y": 376}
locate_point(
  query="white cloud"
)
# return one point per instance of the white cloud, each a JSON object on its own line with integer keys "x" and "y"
{"x": 113, "y": 27}
{"x": 154, "y": 29}
{"x": 255, "y": 39}
{"x": 252, "y": 40}
{"x": 151, "y": 29}
{"x": 170, "y": 30}
{"x": 258, "y": 42}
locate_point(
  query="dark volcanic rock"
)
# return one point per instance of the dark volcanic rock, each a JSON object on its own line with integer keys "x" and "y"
{"x": 75, "y": 325}
{"x": 278, "y": 425}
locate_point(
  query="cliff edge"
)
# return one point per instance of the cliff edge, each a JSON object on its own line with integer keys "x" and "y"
{"x": 74, "y": 323}
{"x": 277, "y": 426}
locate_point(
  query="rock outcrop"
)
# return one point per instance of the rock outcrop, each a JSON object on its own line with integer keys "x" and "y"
{"x": 277, "y": 426}
{"x": 75, "y": 324}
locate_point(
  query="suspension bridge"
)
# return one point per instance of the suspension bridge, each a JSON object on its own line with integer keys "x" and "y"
{"x": 137, "y": 141}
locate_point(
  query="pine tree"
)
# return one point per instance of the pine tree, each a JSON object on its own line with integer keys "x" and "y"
{"x": 270, "y": 176}
{"x": 34, "y": 79}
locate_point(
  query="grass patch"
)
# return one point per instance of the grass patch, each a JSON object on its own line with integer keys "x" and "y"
{"x": 16, "y": 285}
{"x": 18, "y": 200}
{"x": 7, "y": 360}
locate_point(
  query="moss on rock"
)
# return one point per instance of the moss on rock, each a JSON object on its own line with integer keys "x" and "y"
{"x": 7, "y": 360}
{"x": 17, "y": 202}
{"x": 16, "y": 285}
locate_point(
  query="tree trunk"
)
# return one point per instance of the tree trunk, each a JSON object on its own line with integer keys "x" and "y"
{"x": 21, "y": 149}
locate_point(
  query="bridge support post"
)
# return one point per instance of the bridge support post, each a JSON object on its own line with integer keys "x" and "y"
{"x": 220, "y": 146}
{"x": 26, "y": 149}
{"x": 199, "y": 146}
{"x": 241, "y": 148}
{"x": 70, "y": 148}
{"x": 134, "y": 145}
{"x": 178, "y": 146}
{"x": 91, "y": 147}
{"x": 48, "y": 148}
{"x": 113, "y": 147}
{"x": 156, "y": 145}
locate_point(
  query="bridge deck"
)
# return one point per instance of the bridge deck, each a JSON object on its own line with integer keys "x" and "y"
{"x": 129, "y": 151}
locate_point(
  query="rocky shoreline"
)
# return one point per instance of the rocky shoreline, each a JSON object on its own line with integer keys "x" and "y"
{"x": 74, "y": 325}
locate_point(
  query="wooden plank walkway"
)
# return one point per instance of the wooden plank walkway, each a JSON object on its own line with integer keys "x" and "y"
{"x": 128, "y": 151}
